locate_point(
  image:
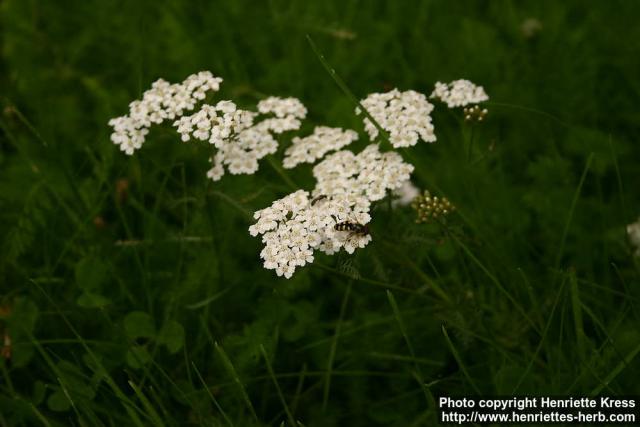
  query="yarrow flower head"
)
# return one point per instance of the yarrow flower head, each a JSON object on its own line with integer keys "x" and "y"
{"x": 475, "y": 114}
{"x": 241, "y": 151}
{"x": 405, "y": 115}
{"x": 241, "y": 137}
{"x": 459, "y": 93}
{"x": 429, "y": 207}
{"x": 313, "y": 147}
{"x": 295, "y": 226}
{"x": 287, "y": 111}
{"x": 366, "y": 176}
{"x": 215, "y": 124}
{"x": 164, "y": 101}
{"x": 337, "y": 215}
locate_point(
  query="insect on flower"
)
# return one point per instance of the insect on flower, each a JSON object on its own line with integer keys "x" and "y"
{"x": 355, "y": 229}
{"x": 317, "y": 199}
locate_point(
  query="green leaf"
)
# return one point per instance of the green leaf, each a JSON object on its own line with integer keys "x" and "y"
{"x": 92, "y": 300}
{"x": 171, "y": 336}
{"x": 39, "y": 391}
{"x": 91, "y": 273}
{"x": 299, "y": 321}
{"x": 24, "y": 315}
{"x": 75, "y": 382}
{"x": 138, "y": 356}
{"x": 21, "y": 324}
{"x": 58, "y": 401}
{"x": 139, "y": 324}
{"x": 445, "y": 251}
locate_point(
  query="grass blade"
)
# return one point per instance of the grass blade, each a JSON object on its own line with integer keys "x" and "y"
{"x": 343, "y": 86}
{"x": 614, "y": 156}
{"x": 572, "y": 208}
{"x": 616, "y": 371}
{"x": 213, "y": 398}
{"x": 292, "y": 421}
{"x": 334, "y": 345}
{"x": 497, "y": 283}
{"x": 577, "y": 315}
{"x": 403, "y": 330}
{"x": 461, "y": 364}
{"x": 39, "y": 415}
{"x": 542, "y": 339}
{"x": 128, "y": 405}
{"x": 296, "y": 398}
{"x": 151, "y": 412}
{"x": 236, "y": 379}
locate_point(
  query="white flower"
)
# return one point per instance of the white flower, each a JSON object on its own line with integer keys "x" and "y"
{"x": 287, "y": 111}
{"x": 405, "y": 115}
{"x": 293, "y": 227}
{"x": 315, "y": 146}
{"x": 127, "y": 134}
{"x": 244, "y": 139}
{"x": 459, "y": 93}
{"x": 405, "y": 194}
{"x": 366, "y": 176}
{"x": 282, "y": 107}
{"x": 633, "y": 230}
{"x": 241, "y": 137}
{"x": 215, "y": 124}
{"x": 164, "y": 101}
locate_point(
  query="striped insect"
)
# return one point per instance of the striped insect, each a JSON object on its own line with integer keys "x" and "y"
{"x": 355, "y": 229}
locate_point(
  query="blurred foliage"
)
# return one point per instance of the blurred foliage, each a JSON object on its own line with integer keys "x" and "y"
{"x": 132, "y": 293}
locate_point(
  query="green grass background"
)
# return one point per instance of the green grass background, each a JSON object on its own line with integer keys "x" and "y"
{"x": 133, "y": 294}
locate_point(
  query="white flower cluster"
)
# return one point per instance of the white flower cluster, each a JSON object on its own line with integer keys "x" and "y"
{"x": 313, "y": 147}
{"x": 241, "y": 149}
{"x": 459, "y": 93}
{"x": 364, "y": 176}
{"x": 287, "y": 111}
{"x": 335, "y": 214}
{"x": 215, "y": 124}
{"x": 164, "y": 101}
{"x": 633, "y": 230}
{"x": 241, "y": 154}
{"x": 293, "y": 227}
{"x": 405, "y": 115}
